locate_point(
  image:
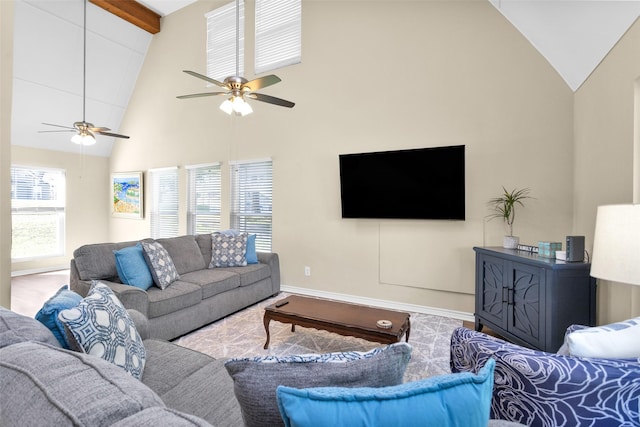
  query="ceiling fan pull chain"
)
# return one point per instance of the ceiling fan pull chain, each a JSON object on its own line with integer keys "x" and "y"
{"x": 84, "y": 64}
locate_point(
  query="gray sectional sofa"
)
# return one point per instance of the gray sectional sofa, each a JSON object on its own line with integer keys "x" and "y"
{"x": 45, "y": 385}
{"x": 200, "y": 296}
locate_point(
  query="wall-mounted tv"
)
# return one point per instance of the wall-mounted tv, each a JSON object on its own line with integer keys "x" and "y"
{"x": 424, "y": 183}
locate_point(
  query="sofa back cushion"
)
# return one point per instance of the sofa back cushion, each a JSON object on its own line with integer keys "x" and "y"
{"x": 47, "y": 385}
{"x": 185, "y": 253}
{"x": 16, "y": 328}
{"x": 96, "y": 261}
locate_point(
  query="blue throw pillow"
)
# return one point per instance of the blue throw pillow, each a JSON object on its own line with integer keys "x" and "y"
{"x": 48, "y": 314}
{"x": 251, "y": 255}
{"x": 461, "y": 399}
{"x": 132, "y": 267}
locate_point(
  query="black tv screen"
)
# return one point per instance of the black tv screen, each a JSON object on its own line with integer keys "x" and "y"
{"x": 425, "y": 183}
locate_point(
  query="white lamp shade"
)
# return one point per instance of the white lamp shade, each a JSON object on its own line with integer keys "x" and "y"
{"x": 616, "y": 244}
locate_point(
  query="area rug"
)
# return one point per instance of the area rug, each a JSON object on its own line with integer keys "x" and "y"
{"x": 242, "y": 335}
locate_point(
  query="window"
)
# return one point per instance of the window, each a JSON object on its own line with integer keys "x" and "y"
{"x": 164, "y": 202}
{"x": 203, "y": 198}
{"x": 251, "y": 200}
{"x": 221, "y": 41}
{"x": 278, "y": 34}
{"x": 37, "y": 212}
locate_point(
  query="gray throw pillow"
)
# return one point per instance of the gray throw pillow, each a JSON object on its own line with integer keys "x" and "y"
{"x": 101, "y": 326}
{"x": 162, "y": 268}
{"x": 256, "y": 379}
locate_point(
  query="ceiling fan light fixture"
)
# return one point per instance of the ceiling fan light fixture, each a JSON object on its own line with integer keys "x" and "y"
{"x": 85, "y": 139}
{"x": 227, "y": 106}
{"x": 237, "y": 105}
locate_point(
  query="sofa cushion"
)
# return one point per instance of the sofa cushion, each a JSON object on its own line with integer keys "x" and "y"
{"x": 44, "y": 385}
{"x": 48, "y": 314}
{"x": 151, "y": 417}
{"x": 176, "y": 297}
{"x": 256, "y": 379}
{"x": 619, "y": 340}
{"x": 445, "y": 401}
{"x": 15, "y": 328}
{"x": 96, "y": 261}
{"x": 204, "y": 243}
{"x": 192, "y": 382}
{"x": 228, "y": 251}
{"x": 252, "y": 273}
{"x": 185, "y": 253}
{"x": 101, "y": 326}
{"x": 160, "y": 264}
{"x": 132, "y": 267}
{"x": 213, "y": 281}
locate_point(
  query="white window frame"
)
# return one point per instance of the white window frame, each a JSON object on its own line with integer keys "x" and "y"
{"x": 278, "y": 34}
{"x": 221, "y": 41}
{"x": 252, "y": 200}
{"x": 31, "y": 207}
{"x": 204, "y": 201}
{"x": 165, "y": 202}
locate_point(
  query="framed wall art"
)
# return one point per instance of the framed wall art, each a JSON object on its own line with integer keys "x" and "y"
{"x": 127, "y": 195}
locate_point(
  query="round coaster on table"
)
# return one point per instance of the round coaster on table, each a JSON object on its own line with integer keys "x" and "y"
{"x": 384, "y": 324}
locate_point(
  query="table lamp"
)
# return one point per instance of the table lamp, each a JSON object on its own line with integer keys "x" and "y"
{"x": 616, "y": 244}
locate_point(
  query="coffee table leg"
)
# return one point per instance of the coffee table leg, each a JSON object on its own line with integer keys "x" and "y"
{"x": 408, "y": 330}
{"x": 266, "y": 320}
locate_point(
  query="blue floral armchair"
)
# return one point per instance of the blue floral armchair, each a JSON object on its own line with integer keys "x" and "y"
{"x": 544, "y": 389}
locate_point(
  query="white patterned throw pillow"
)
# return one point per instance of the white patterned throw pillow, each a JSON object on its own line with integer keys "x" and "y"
{"x": 101, "y": 326}
{"x": 160, "y": 263}
{"x": 228, "y": 250}
{"x": 619, "y": 340}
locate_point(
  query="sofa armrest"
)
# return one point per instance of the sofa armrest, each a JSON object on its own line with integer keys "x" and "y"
{"x": 537, "y": 388}
{"x": 131, "y": 297}
{"x": 273, "y": 261}
{"x": 141, "y": 322}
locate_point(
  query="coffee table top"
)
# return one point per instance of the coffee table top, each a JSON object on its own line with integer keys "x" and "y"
{"x": 342, "y": 313}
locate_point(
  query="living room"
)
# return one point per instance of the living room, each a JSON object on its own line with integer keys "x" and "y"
{"x": 456, "y": 73}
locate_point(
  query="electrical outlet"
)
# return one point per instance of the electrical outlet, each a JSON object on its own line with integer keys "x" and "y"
{"x": 307, "y": 271}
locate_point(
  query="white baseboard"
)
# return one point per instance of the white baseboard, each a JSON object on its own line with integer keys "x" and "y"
{"x": 392, "y": 305}
{"x": 39, "y": 270}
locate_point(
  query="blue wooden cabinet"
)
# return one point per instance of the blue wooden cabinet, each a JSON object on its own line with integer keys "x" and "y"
{"x": 529, "y": 299}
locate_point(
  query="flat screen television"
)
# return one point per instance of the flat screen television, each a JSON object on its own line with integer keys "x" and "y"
{"x": 424, "y": 183}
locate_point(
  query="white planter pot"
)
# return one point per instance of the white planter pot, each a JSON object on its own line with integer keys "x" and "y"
{"x": 510, "y": 242}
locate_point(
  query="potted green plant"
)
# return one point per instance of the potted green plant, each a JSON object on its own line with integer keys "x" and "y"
{"x": 505, "y": 207}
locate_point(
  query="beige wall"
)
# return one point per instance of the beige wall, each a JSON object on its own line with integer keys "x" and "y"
{"x": 87, "y": 203}
{"x": 6, "y": 85}
{"x": 604, "y": 155}
{"x": 374, "y": 76}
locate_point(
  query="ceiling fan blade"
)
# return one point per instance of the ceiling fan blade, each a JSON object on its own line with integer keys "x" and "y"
{"x": 208, "y": 79}
{"x": 261, "y": 82}
{"x": 198, "y": 95}
{"x": 59, "y": 126}
{"x": 115, "y": 135}
{"x": 271, "y": 100}
{"x": 98, "y": 129}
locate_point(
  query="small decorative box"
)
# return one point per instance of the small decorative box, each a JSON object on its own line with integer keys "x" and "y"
{"x": 548, "y": 249}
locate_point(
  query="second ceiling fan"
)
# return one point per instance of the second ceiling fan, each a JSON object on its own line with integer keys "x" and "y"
{"x": 85, "y": 131}
{"x": 238, "y": 87}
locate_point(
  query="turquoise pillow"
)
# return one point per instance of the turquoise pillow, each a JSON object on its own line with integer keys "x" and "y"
{"x": 132, "y": 267}
{"x": 251, "y": 255}
{"x": 461, "y": 399}
{"x": 48, "y": 314}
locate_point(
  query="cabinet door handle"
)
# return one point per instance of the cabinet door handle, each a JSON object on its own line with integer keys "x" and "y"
{"x": 510, "y": 302}
{"x": 505, "y": 294}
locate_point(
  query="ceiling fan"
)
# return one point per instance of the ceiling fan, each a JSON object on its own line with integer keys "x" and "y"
{"x": 85, "y": 131}
{"x": 238, "y": 87}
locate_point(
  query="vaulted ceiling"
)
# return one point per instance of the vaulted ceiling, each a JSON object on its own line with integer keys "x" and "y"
{"x": 573, "y": 35}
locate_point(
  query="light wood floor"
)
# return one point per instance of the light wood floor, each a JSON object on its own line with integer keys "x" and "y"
{"x": 29, "y": 293}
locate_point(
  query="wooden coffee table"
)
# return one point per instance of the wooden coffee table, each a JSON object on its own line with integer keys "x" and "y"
{"x": 339, "y": 317}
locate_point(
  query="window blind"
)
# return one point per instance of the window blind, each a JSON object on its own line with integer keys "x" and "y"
{"x": 37, "y": 212}
{"x": 221, "y": 41}
{"x": 203, "y": 198}
{"x": 278, "y": 34}
{"x": 252, "y": 200}
{"x": 164, "y": 202}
